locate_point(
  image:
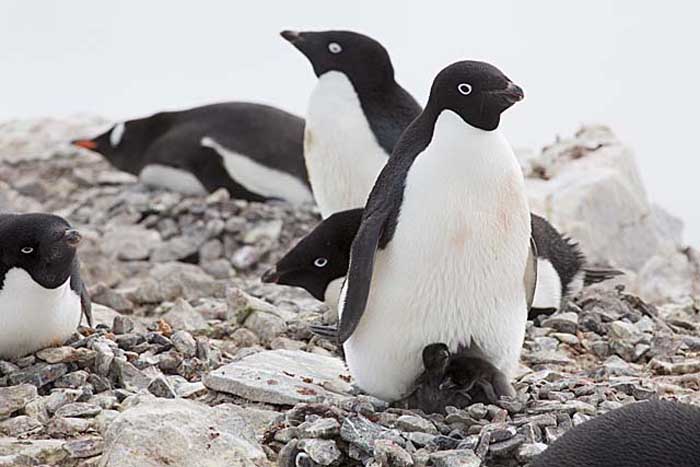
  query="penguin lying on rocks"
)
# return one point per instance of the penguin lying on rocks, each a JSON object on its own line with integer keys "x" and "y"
{"x": 42, "y": 296}
{"x": 318, "y": 263}
{"x": 253, "y": 151}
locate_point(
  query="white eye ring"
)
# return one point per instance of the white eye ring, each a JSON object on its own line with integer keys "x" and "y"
{"x": 320, "y": 262}
{"x": 27, "y": 250}
{"x": 334, "y": 48}
{"x": 464, "y": 88}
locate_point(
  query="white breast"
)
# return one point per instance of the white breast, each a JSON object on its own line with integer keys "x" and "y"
{"x": 33, "y": 317}
{"x": 333, "y": 292}
{"x": 548, "y": 289}
{"x": 454, "y": 269}
{"x": 342, "y": 155}
{"x": 260, "y": 179}
{"x": 170, "y": 178}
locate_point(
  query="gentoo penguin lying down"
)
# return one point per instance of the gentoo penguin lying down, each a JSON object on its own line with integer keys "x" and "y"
{"x": 41, "y": 294}
{"x": 443, "y": 252}
{"x": 254, "y": 151}
{"x": 319, "y": 262}
{"x": 655, "y": 433}
{"x": 355, "y": 116}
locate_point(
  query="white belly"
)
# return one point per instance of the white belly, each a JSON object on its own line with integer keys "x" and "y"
{"x": 454, "y": 269}
{"x": 170, "y": 178}
{"x": 33, "y": 317}
{"x": 343, "y": 157}
{"x": 548, "y": 289}
{"x": 260, "y": 179}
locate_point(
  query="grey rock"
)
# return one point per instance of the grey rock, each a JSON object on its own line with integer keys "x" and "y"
{"x": 455, "y": 458}
{"x": 321, "y": 428}
{"x": 245, "y": 257}
{"x": 122, "y": 325}
{"x": 184, "y": 343}
{"x": 63, "y": 427}
{"x": 160, "y": 387}
{"x": 20, "y": 425}
{"x": 361, "y": 432}
{"x": 79, "y": 409}
{"x": 45, "y": 451}
{"x": 179, "y": 432}
{"x": 321, "y": 451}
{"x": 65, "y": 355}
{"x": 182, "y": 316}
{"x": 388, "y": 452}
{"x": 282, "y": 377}
{"x": 528, "y": 452}
{"x": 413, "y": 423}
{"x": 84, "y": 448}
{"x": 563, "y": 322}
{"x": 130, "y": 243}
{"x": 39, "y": 375}
{"x": 264, "y": 231}
{"x": 73, "y": 380}
{"x": 60, "y": 397}
{"x": 128, "y": 376}
{"x": 15, "y": 398}
{"x": 175, "y": 249}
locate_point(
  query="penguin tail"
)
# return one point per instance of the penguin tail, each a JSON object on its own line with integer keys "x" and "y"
{"x": 595, "y": 275}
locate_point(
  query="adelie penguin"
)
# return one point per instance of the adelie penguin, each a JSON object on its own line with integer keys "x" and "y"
{"x": 318, "y": 263}
{"x": 253, "y": 151}
{"x": 646, "y": 434}
{"x": 443, "y": 253}
{"x": 356, "y": 113}
{"x": 42, "y": 296}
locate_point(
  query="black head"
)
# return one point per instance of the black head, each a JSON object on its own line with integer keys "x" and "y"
{"x": 122, "y": 144}
{"x": 320, "y": 257}
{"x": 42, "y": 244}
{"x": 476, "y": 91}
{"x": 435, "y": 359}
{"x": 364, "y": 60}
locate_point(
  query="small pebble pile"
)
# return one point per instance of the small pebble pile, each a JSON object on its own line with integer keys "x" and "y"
{"x": 192, "y": 361}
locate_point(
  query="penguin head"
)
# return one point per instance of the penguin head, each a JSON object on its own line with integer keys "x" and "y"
{"x": 320, "y": 257}
{"x": 476, "y": 91}
{"x": 124, "y": 142}
{"x": 364, "y": 60}
{"x": 43, "y": 245}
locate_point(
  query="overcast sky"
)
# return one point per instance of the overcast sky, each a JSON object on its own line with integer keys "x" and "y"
{"x": 626, "y": 63}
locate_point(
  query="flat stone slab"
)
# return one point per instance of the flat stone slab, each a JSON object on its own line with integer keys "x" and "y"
{"x": 283, "y": 377}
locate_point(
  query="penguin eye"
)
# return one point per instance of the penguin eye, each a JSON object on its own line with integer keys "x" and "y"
{"x": 27, "y": 250}
{"x": 464, "y": 88}
{"x": 334, "y": 48}
{"x": 320, "y": 262}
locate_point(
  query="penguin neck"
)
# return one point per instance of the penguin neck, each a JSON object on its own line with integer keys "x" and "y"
{"x": 19, "y": 282}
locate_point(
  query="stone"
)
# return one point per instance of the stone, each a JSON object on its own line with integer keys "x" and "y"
{"x": 263, "y": 231}
{"x": 175, "y": 249}
{"x": 160, "y": 387}
{"x": 60, "y": 397}
{"x": 245, "y": 257}
{"x": 122, "y": 325}
{"x": 321, "y": 428}
{"x": 128, "y": 376}
{"x": 527, "y": 452}
{"x": 455, "y": 458}
{"x": 15, "y": 398}
{"x": 130, "y": 243}
{"x": 84, "y": 448}
{"x": 20, "y": 426}
{"x": 182, "y": 316}
{"x": 79, "y": 409}
{"x": 64, "y": 427}
{"x": 72, "y": 380}
{"x": 563, "y": 322}
{"x": 40, "y": 374}
{"x": 413, "y": 423}
{"x": 359, "y": 431}
{"x": 155, "y": 432}
{"x": 45, "y": 451}
{"x": 389, "y": 453}
{"x": 321, "y": 451}
{"x": 64, "y": 355}
{"x": 282, "y": 377}
{"x": 184, "y": 343}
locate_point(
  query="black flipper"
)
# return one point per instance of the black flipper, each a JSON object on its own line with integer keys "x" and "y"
{"x": 355, "y": 291}
{"x": 595, "y": 275}
{"x": 530, "y": 280}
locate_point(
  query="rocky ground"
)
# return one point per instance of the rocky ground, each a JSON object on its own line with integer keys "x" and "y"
{"x": 194, "y": 362}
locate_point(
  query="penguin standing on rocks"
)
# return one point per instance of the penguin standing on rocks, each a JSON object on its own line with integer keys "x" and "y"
{"x": 253, "y": 151}
{"x": 443, "y": 253}
{"x": 654, "y": 433}
{"x": 355, "y": 116}
{"x": 319, "y": 263}
{"x": 42, "y": 296}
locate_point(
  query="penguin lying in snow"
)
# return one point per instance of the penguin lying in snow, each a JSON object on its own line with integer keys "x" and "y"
{"x": 254, "y": 151}
{"x": 42, "y": 296}
{"x": 319, "y": 263}
{"x": 644, "y": 434}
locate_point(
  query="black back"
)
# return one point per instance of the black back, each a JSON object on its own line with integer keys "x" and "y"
{"x": 270, "y": 136}
{"x": 387, "y": 106}
{"x": 645, "y": 434}
{"x": 322, "y": 256}
{"x": 564, "y": 254}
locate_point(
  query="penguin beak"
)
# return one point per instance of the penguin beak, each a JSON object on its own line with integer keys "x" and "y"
{"x": 291, "y": 36}
{"x": 511, "y": 94}
{"x": 72, "y": 237}
{"x": 271, "y": 276}
{"x": 85, "y": 143}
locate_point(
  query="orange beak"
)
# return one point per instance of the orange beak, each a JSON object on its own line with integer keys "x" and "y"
{"x": 85, "y": 143}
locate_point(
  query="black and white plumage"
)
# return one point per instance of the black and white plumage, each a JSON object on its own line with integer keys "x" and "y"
{"x": 649, "y": 434}
{"x": 42, "y": 296}
{"x": 254, "y": 151}
{"x": 443, "y": 253}
{"x": 319, "y": 262}
{"x": 356, "y": 113}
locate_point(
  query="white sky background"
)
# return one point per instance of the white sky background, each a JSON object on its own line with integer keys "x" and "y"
{"x": 633, "y": 65}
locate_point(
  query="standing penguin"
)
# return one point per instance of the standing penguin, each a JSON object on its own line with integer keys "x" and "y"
{"x": 253, "y": 151}
{"x": 443, "y": 253}
{"x": 356, "y": 113}
{"x": 42, "y": 295}
{"x": 319, "y": 262}
{"x": 645, "y": 434}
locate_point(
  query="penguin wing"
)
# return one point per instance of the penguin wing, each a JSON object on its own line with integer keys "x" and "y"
{"x": 530, "y": 280}
{"x": 355, "y": 291}
{"x": 77, "y": 284}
